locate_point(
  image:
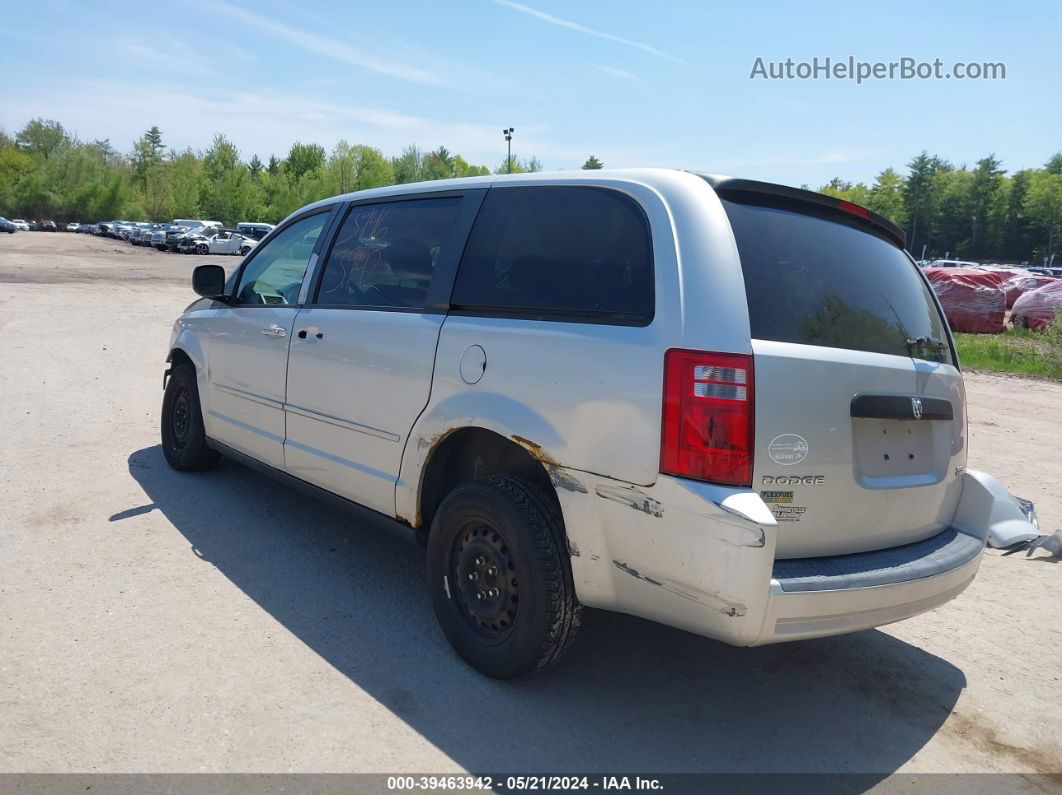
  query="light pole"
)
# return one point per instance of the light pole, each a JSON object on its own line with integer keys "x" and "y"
{"x": 508, "y": 133}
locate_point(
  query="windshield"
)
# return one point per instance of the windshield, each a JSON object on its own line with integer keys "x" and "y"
{"x": 816, "y": 281}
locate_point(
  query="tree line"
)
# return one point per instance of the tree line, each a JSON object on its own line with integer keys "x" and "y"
{"x": 981, "y": 213}
{"x": 47, "y": 172}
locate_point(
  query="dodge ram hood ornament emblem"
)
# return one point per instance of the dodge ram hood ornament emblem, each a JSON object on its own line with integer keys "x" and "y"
{"x": 916, "y": 408}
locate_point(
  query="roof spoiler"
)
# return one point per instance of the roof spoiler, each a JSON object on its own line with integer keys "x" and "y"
{"x": 783, "y": 194}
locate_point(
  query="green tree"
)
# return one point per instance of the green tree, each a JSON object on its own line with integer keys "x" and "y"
{"x": 920, "y": 198}
{"x": 409, "y": 166}
{"x": 1043, "y": 204}
{"x": 593, "y": 163}
{"x": 42, "y": 137}
{"x": 886, "y": 197}
{"x": 373, "y": 169}
{"x": 986, "y": 208}
{"x": 304, "y": 158}
{"x": 343, "y": 167}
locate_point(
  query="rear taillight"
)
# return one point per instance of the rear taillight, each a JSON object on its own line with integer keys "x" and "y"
{"x": 709, "y": 409}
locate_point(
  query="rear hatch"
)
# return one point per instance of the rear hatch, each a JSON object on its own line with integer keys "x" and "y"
{"x": 860, "y": 408}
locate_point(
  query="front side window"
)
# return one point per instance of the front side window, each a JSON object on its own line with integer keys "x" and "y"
{"x": 558, "y": 253}
{"x": 275, "y": 274}
{"x": 385, "y": 254}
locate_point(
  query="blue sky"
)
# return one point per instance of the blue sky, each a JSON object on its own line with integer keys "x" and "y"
{"x": 634, "y": 83}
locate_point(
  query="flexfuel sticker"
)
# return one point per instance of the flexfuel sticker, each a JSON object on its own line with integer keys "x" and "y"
{"x": 777, "y": 496}
{"x": 788, "y": 513}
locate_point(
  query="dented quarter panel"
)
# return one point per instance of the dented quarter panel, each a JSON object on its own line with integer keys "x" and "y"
{"x": 670, "y": 552}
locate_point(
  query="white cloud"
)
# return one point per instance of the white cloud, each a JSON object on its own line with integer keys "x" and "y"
{"x": 565, "y": 23}
{"x": 615, "y": 71}
{"x": 356, "y": 55}
{"x": 174, "y": 57}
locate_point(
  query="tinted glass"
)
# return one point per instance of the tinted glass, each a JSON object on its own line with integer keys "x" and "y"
{"x": 821, "y": 282}
{"x": 385, "y": 254}
{"x": 556, "y": 253}
{"x": 274, "y": 275}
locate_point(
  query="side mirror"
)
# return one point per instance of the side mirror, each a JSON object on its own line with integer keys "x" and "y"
{"x": 209, "y": 280}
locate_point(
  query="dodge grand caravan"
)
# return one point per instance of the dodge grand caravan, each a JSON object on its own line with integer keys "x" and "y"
{"x": 727, "y": 406}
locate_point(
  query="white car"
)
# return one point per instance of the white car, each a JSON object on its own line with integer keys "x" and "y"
{"x": 724, "y": 405}
{"x": 73, "y": 227}
{"x": 253, "y": 229}
{"x": 220, "y": 241}
{"x": 952, "y": 263}
{"x": 20, "y": 224}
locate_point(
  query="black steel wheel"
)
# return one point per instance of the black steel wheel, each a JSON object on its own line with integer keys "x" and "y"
{"x": 183, "y": 435}
{"x": 500, "y": 577}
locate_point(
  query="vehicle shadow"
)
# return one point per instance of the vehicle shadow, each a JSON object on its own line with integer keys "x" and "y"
{"x": 631, "y": 696}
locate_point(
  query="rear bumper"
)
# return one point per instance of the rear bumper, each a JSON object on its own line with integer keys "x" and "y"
{"x": 702, "y": 558}
{"x": 808, "y": 600}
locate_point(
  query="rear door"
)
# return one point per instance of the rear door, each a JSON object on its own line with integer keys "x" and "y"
{"x": 360, "y": 367}
{"x": 860, "y": 408}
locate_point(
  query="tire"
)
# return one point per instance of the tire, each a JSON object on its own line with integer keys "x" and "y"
{"x": 183, "y": 436}
{"x": 202, "y": 249}
{"x": 503, "y": 626}
{"x": 245, "y": 251}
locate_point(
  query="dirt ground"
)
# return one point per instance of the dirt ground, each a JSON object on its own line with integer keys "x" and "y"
{"x": 152, "y": 621}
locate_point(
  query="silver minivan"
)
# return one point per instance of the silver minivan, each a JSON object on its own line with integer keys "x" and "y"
{"x": 728, "y": 406}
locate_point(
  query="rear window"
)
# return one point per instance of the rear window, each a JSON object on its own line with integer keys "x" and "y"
{"x": 558, "y": 253}
{"x": 823, "y": 282}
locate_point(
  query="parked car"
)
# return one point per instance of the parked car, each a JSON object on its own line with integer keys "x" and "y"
{"x": 21, "y": 224}
{"x": 32, "y": 226}
{"x": 184, "y": 227}
{"x": 73, "y": 226}
{"x": 724, "y": 405}
{"x": 158, "y": 237}
{"x": 254, "y": 230}
{"x": 7, "y": 226}
{"x": 216, "y": 241}
{"x": 953, "y": 263}
{"x": 49, "y": 226}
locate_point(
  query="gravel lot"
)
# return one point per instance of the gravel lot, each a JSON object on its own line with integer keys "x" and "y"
{"x": 152, "y": 621}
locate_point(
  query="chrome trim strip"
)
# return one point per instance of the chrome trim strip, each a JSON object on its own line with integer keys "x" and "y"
{"x": 340, "y": 423}
{"x": 376, "y": 473}
{"x": 231, "y": 390}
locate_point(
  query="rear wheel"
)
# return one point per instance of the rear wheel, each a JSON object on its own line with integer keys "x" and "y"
{"x": 500, "y": 578}
{"x": 244, "y": 251}
{"x": 183, "y": 435}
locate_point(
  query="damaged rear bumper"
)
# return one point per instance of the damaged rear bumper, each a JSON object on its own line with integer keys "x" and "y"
{"x": 701, "y": 557}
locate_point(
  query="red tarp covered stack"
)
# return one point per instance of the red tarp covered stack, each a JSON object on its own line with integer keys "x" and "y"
{"x": 1036, "y": 308}
{"x": 973, "y": 299}
{"x": 1021, "y": 282}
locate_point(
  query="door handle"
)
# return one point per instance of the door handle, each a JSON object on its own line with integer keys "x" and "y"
{"x": 275, "y": 331}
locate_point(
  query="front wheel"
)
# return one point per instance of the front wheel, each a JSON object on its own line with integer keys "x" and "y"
{"x": 245, "y": 251}
{"x": 500, "y": 578}
{"x": 202, "y": 249}
{"x": 183, "y": 435}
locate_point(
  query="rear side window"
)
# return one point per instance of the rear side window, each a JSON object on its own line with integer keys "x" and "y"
{"x": 558, "y": 253}
{"x": 816, "y": 281}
